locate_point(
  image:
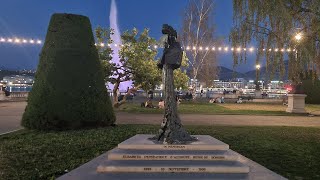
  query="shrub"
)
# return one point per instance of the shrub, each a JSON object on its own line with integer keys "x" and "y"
{"x": 69, "y": 90}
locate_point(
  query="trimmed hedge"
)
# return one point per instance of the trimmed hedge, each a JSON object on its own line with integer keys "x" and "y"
{"x": 69, "y": 90}
{"x": 312, "y": 90}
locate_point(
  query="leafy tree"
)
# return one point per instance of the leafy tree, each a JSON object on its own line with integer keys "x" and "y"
{"x": 139, "y": 57}
{"x": 180, "y": 76}
{"x": 69, "y": 90}
{"x": 275, "y": 24}
{"x": 198, "y": 31}
{"x": 311, "y": 87}
{"x": 137, "y": 61}
{"x": 105, "y": 52}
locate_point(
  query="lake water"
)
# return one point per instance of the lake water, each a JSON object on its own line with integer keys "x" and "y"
{"x": 19, "y": 88}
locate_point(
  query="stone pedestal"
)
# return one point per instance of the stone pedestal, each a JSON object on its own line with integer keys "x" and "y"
{"x": 296, "y": 103}
{"x": 140, "y": 158}
{"x": 258, "y": 94}
{"x": 2, "y": 96}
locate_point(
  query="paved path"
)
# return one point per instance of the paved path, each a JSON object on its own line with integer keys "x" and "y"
{"x": 11, "y": 112}
{"x": 235, "y": 120}
{"x": 10, "y": 116}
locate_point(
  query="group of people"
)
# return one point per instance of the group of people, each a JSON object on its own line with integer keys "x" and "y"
{"x": 148, "y": 103}
{"x": 217, "y": 100}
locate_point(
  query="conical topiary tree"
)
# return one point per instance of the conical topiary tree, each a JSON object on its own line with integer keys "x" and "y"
{"x": 69, "y": 90}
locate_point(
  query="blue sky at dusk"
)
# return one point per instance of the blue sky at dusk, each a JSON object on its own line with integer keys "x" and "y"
{"x": 30, "y": 18}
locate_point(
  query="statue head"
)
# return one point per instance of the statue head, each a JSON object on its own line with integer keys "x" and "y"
{"x": 172, "y": 53}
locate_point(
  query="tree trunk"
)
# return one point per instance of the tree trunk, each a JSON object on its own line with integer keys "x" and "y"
{"x": 172, "y": 131}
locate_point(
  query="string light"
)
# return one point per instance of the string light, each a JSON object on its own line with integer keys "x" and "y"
{"x": 221, "y": 49}
{"x": 17, "y": 40}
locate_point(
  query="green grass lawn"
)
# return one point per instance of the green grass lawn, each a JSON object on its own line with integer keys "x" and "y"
{"x": 293, "y": 152}
{"x": 206, "y": 108}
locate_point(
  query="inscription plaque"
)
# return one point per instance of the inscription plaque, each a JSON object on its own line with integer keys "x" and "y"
{"x": 170, "y": 157}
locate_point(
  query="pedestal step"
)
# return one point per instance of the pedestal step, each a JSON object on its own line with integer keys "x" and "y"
{"x": 174, "y": 155}
{"x": 173, "y": 166}
{"x": 141, "y": 141}
{"x": 175, "y": 176}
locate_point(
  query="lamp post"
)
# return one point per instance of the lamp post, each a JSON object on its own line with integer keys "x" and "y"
{"x": 257, "y": 76}
{"x": 296, "y": 99}
{"x": 298, "y": 37}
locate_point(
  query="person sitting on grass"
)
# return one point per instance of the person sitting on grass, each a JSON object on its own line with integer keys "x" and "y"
{"x": 148, "y": 104}
{"x": 178, "y": 100}
{"x": 212, "y": 100}
{"x": 161, "y": 104}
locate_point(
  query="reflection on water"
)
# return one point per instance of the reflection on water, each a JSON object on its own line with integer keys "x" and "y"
{"x": 19, "y": 88}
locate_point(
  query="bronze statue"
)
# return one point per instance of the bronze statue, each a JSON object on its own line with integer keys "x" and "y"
{"x": 172, "y": 131}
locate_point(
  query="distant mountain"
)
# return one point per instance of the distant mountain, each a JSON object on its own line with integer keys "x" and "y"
{"x": 4, "y": 73}
{"x": 266, "y": 75}
{"x": 227, "y": 74}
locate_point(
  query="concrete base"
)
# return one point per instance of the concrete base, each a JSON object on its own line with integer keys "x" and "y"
{"x": 296, "y": 103}
{"x": 258, "y": 94}
{"x": 2, "y": 96}
{"x": 136, "y": 163}
{"x": 141, "y": 141}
